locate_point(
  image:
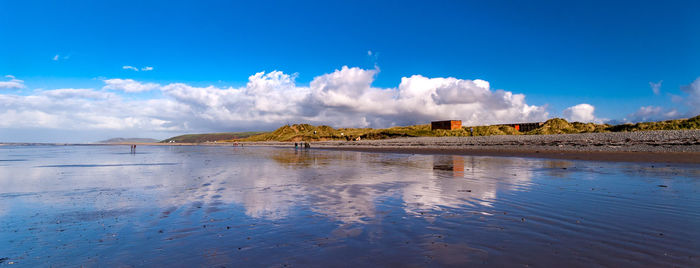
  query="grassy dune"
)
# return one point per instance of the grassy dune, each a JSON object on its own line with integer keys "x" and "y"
{"x": 306, "y": 132}
{"x": 691, "y": 123}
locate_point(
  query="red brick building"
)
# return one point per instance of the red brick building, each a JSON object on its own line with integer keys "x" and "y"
{"x": 448, "y": 124}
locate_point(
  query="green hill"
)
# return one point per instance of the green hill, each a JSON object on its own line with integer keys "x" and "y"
{"x": 299, "y": 132}
{"x": 306, "y": 132}
{"x": 690, "y": 123}
{"x": 561, "y": 126}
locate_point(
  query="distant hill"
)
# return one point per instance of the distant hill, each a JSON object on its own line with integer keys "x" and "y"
{"x": 211, "y": 137}
{"x": 129, "y": 140}
{"x": 306, "y": 132}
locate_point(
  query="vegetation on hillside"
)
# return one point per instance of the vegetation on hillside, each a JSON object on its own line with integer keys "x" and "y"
{"x": 306, "y": 132}
{"x": 297, "y": 133}
{"x": 690, "y": 123}
{"x": 211, "y": 137}
{"x": 561, "y": 126}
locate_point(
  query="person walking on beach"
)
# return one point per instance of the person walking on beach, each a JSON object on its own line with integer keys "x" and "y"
{"x": 471, "y": 131}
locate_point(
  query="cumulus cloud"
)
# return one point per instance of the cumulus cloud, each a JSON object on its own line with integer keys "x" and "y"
{"x": 12, "y": 83}
{"x": 342, "y": 98}
{"x": 656, "y": 87}
{"x": 128, "y": 85}
{"x": 581, "y": 113}
{"x": 418, "y": 99}
{"x": 345, "y": 97}
{"x": 84, "y": 109}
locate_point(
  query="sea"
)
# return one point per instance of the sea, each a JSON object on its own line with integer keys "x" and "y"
{"x": 225, "y": 206}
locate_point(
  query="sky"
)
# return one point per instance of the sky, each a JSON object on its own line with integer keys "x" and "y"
{"x": 84, "y": 71}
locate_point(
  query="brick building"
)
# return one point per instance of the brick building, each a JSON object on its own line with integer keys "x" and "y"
{"x": 448, "y": 124}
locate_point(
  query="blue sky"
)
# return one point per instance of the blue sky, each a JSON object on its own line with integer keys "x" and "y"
{"x": 558, "y": 54}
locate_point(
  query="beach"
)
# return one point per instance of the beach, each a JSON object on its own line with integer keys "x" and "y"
{"x": 261, "y": 206}
{"x": 668, "y": 146}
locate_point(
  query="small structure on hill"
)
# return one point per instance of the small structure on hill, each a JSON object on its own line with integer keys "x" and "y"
{"x": 448, "y": 124}
{"x": 525, "y": 127}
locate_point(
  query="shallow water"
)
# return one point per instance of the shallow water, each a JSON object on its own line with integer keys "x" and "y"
{"x": 230, "y": 206}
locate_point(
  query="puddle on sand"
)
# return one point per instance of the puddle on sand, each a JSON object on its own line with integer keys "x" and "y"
{"x": 212, "y": 206}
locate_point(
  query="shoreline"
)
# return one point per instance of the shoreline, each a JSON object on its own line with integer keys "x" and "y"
{"x": 584, "y": 155}
{"x": 668, "y": 146}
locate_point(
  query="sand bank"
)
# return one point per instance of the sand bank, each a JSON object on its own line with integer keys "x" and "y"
{"x": 682, "y": 146}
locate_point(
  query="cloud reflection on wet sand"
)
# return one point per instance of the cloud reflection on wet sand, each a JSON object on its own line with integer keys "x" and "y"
{"x": 409, "y": 207}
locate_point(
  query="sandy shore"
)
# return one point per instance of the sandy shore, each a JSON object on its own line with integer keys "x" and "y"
{"x": 682, "y": 146}
{"x": 671, "y": 146}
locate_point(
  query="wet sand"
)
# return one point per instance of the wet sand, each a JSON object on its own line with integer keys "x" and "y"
{"x": 648, "y": 157}
{"x": 258, "y": 206}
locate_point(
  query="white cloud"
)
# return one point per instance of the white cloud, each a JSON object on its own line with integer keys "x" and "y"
{"x": 656, "y": 87}
{"x": 127, "y": 67}
{"x": 691, "y": 101}
{"x": 58, "y": 57}
{"x": 693, "y": 98}
{"x": 652, "y": 113}
{"x": 343, "y": 98}
{"x": 128, "y": 85}
{"x": 84, "y": 109}
{"x": 70, "y": 93}
{"x": 136, "y": 69}
{"x": 581, "y": 113}
{"x": 13, "y": 83}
